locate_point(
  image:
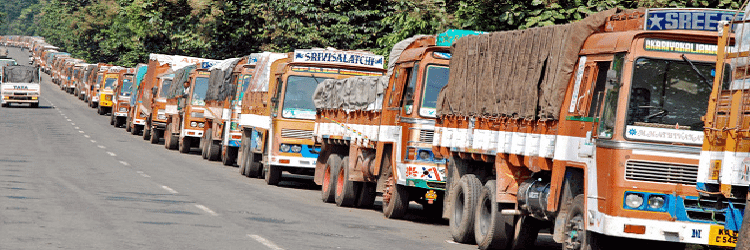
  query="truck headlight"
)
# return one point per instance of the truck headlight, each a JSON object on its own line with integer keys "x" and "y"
{"x": 201, "y": 125}
{"x": 284, "y": 147}
{"x": 634, "y": 200}
{"x": 296, "y": 148}
{"x": 193, "y": 124}
{"x": 656, "y": 201}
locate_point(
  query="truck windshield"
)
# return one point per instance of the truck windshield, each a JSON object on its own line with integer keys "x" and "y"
{"x": 245, "y": 82}
{"x": 436, "y": 77}
{"x": 109, "y": 82}
{"x": 298, "y": 103}
{"x": 165, "y": 85}
{"x": 666, "y": 97}
{"x": 199, "y": 93}
{"x": 126, "y": 84}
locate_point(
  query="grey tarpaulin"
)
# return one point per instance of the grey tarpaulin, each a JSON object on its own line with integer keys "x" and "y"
{"x": 20, "y": 74}
{"x": 523, "y": 72}
{"x": 361, "y": 92}
{"x": 220, "y": 82}
{"x": 181, "y": 75}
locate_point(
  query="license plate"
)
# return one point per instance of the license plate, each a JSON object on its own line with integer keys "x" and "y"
{"x": 722, "y": 237}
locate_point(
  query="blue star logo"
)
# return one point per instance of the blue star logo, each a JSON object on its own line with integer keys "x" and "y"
{"x": 632, "y": 131}
{"x": 298, "y": 55}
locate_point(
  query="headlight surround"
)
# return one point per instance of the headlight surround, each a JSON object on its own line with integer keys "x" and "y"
{"x": 633, "y": 200}
{"x": 656, "y": 201}
{"x": 193, "y": 124}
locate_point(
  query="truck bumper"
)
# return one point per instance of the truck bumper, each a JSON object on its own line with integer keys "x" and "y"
{"x": 292, "y": 161}
{"x": 139, "y": 122}
{"x": 191, "y": 133}
{"x": 674, "y": 231}
{"x": 159, "y": 125}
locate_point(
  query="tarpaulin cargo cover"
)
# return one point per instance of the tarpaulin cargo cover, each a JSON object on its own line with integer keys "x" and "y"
{"x": 523, "y": 72}
{"x": 20, "y": 74}
{"x": 219, "y": 83}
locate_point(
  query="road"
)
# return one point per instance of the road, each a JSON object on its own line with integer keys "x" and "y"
{"x": 69, "y": 180}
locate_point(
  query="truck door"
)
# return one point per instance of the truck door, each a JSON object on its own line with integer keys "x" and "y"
{"x": 399, "y": 107}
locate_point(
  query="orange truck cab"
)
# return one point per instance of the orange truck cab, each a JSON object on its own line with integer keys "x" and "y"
{"x": 136, "y": 120}
{"x": 389, "y": 140}
{"x": 222, "y": 136}
{"x": 186, "y": 106}
{"x": 121, "y": 102}
{"x": 77, "y": 79}
{"x": 152, "y": 101}
{"x": 57, "y": 64}
{"x": 67, "y": 82}
{"x": 594, "y": 130}
{"x": 279, "y": 111}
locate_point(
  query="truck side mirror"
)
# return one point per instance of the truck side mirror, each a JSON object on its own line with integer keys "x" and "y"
{"x": 612, "y": 81}
{"x": 274, "y": 100}
{"x": 154, "y": 90}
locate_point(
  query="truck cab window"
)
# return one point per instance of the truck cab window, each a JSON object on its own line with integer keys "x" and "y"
{"x": 611, "y": 96}
{"x": 599, "y": 88}
{"x": 407, "y": 99}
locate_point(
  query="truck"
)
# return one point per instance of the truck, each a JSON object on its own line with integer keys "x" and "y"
{"x": 278, "y": 115}
{"x": 77, "y": 79}
{"x": 49, "y": 59}
{"x": 592, "y": 129}
{"x": 107, "y": 87}
{"x": 222, "y": 136}
{"x": 121, "y": 96}
{"x": 185, "y": 107}
{"x": 67, "y": 71}
{"x": 56, "y": 67}
{"x": 136, "y": 120}
{"x": 94, "y": 82}
{"x": 20, "y": 85}
{"x": 724, "y": 169}
{"x": 372, "y": 139}
{"x": 156, "y": 85}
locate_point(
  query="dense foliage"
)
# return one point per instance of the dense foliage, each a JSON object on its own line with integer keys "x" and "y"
{"x": 124, "y": 32}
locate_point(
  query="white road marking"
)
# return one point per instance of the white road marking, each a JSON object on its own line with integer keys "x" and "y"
{"x": 205, "y": 209}
{"x": 81, "y": 131}
{"x": 100, "y": 146}
{"x": 169, "y": 189}
{"x": 92, "y": 141}
{"x": 77, "y": 128}
{"x": 111, "y": 154}
{"x": 145, "y": 175}
{"x": 124, "y": 163}
{"x": 87, "y": 136}
{"x": 265, "y": 242}
{"x": 72, "y": 124}
{"x": 68, "y": 119}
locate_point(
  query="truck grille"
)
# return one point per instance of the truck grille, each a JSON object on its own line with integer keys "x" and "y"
{"x": 296, "y": 134}
{"x": 426, "y": 136}
{"x": 661, "y": 172}
{"x": 710, "y": 208}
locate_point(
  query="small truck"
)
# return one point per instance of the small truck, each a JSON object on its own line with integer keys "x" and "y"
{"x": 95, "y": 82}
{"x": 136, "y": 120}
{"x": 121, "y": 96}
{"x": 20, "y": 85}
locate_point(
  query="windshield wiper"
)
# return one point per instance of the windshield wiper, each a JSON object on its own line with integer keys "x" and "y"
{"x": 705, "y": 79}
{"x": 315, "y": 78}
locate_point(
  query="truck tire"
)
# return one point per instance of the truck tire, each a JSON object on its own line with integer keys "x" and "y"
{"x": 173, "y": 140}
{"x": 328, "y": 189}
{"x": 100, "y": 110}
{"x": 346, "y": 190}
{"x": 575, "y": 233}
{"x": 366, "y": 197}
{"x": 492, "y": 230}
{"x": 128, "y": 126}
{"x": 214, "y": 149}
{"x": 204, "y": 148}
{"x": 229, "y": 157}
{"x": 397, "y": 204}
{"x": 254, "y": 168}
{"x": 35, "y": 105}
{"x": 464, "y": 200}
{"x": 118, "y": 121}
{"x": 184, "y": 144}
{"x": 147, "y": 134}
{"x": 112, "y": 120}
{"x": 273, "y": 176}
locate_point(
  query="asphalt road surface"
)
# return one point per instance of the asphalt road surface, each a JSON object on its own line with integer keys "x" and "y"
{"x": 69, "y": 180}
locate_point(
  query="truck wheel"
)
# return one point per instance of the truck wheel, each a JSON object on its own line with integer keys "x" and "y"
{"x": 328, "y": 190}
{"x": 214, "y": 149}
{"x": 464, "y": 200}
{"x": 118, "y": 121}
{"x": 576, "y": 236}
{"x": 99, "y": 110}
{"x": 492, "y": 230}
{"x": 173, "y": 140}
{"x": 147, "y": 134}
{"x": 184, "y": 144}
{"x": 204, "y": 148}
{"x": 273, "y": 176}
{"x": 112, "y": 119}
{"x": 128, "y": 125}
{"x": 254, "y": 169}
{"x": 346, "y": 190}
{"x": 366, "y": 197}
{"x": 35, "y": 105}
{"x": 229, "y": 156}
{"x": 4, "y": 105}
{"x": 395, "y": 199}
